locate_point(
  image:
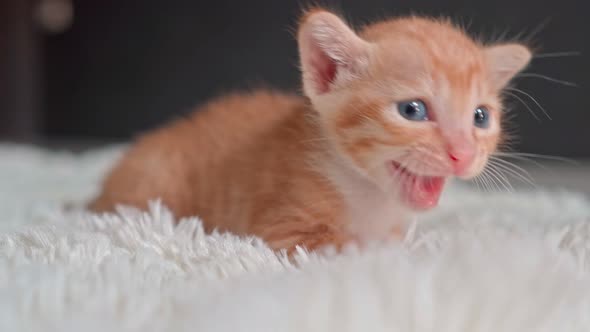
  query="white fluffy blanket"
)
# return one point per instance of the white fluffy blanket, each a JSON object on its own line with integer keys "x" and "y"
{"x": 483, "y": 262}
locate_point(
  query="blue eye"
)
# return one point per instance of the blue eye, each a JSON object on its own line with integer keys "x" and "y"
{"x": 414, "y": 110}
{"x": 481, "y": 117}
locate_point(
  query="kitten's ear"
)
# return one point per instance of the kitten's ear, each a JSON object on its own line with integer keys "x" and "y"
{"x": 505, "y": 61}
{"x": 331, "y": 52}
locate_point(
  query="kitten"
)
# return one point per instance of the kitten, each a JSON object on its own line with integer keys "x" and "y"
{"x": 389, "y": 114}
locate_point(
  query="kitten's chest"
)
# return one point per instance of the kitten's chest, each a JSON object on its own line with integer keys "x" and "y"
{"x": 373, "y": 216}
{"x": 369, "y": 213}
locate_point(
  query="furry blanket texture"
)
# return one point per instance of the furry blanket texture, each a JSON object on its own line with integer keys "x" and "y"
{"x": 482, "y": 262}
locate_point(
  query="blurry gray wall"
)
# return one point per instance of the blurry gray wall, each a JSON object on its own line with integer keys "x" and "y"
{"x": 20, "y": 71}
{"x": 126, "y": 66}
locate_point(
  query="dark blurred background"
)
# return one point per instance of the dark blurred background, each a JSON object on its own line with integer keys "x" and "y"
{"x": 103, "y": 71}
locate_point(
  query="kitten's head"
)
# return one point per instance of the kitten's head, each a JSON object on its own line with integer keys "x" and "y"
{"x": 407, "y": 102}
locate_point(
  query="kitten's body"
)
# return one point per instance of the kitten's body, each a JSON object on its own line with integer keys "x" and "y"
{"x": 340, "y": 164}
{"x": 269, "y": 163}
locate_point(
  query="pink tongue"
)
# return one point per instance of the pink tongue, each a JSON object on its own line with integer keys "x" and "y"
{"x": 424, "y": 191}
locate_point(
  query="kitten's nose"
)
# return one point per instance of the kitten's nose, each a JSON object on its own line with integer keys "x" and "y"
{"x": 461, "y": 159}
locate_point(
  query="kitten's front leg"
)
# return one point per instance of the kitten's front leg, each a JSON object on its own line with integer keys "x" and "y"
{"x": 289, "y": 235}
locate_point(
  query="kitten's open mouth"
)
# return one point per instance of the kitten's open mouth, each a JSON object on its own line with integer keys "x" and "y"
{"x": 419, "y": 191}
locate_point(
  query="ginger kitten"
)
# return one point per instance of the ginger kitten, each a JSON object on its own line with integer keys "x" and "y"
{"x": 390, "y": 113}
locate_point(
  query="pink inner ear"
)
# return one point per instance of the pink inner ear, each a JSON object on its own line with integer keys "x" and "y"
{"x": 324, "y": 70}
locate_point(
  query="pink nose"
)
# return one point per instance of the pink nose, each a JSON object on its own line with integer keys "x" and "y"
{"x": 461, "y": 160}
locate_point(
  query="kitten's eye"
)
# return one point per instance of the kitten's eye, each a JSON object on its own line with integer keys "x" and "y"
{"x": 414, "y": 110}
{"x": 481, "y": 117}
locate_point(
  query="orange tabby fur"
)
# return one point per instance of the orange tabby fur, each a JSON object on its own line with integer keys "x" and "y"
{"x": 317, "y": 170}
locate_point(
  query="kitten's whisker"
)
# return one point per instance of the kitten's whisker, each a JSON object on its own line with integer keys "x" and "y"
{"x": 550, "y": 79}
{"x": 476, "y": 181}
{"x": 501, "y": 178}
{"x": 494, "y": 179}
{"x": 533, "y": 99}
{"x": 500, "y": 161}
{"x": 524, "y": 155}
{"x": 536, "y": 30}
{"x": 525, "y": 104}
{"x": 556, "y": 54}
{"x": 506, "y": 180}
{"x": 521, "y": 159}
{"x": 484, "y": 181}
{"x": 486, "y": 173}
{"x": 516, "y": 174}
{"x": 488, "y": 182}
{"x": 481, "y": 181}
{"x": 434, "y": 159}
